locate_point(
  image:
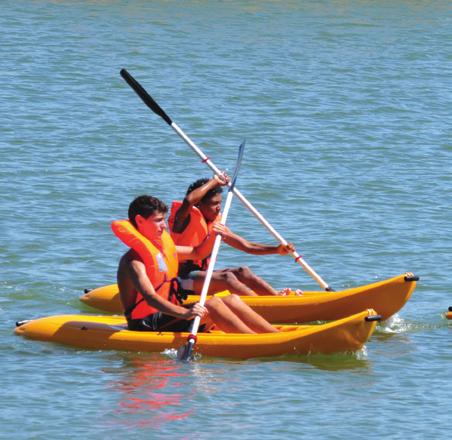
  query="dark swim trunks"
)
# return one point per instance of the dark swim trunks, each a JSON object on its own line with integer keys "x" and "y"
{"x": 160, "y": 322}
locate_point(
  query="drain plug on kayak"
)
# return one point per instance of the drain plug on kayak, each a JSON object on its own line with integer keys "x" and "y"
{"x": 411, "y": 277}
{"x": 373, "y": 318}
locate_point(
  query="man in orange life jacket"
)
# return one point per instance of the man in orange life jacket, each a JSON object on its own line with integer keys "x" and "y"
{"x": 147, "y": 274}
{"x": 197, "y": 216}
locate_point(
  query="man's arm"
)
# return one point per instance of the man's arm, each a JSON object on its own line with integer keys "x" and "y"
{"x": 242, "y": 244}
{"x": 142, "y": 284}
{"x": 182, "y": 217}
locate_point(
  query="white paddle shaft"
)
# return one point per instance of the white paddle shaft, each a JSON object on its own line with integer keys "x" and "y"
{"x": 251, "y": 208}
{"x": 213, "y": 259}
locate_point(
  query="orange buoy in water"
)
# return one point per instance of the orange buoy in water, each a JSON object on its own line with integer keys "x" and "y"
{"x": 449, "y": 313}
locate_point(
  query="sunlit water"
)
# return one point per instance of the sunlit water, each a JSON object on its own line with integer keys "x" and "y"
{"x": 345, "y": 107}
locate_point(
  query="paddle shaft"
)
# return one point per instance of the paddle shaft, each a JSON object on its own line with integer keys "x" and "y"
{"x": 251, "y": 208}
{"x": 152, "y": 104}
{"x": 188, "y": 348}
{"x": 213, "y": 259}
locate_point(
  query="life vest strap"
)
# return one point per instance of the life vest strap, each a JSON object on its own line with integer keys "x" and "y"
{"x": 188, "y": 266}
{"x": 177, "y": 291}
{"x": 128, "y": 312}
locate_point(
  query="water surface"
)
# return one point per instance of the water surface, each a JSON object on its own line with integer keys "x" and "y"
{"x": 345, "y": 107}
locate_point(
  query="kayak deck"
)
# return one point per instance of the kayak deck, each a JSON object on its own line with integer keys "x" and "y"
{"x": 387, "y": 297}
{"x": 110, "y": 333}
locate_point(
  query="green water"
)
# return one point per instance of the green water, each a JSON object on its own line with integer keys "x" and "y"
{"x": 345, "y": 107}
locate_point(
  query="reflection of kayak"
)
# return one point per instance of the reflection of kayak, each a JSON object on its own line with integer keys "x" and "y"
{"x": 449, "y": 313}
{"x": 386, "y": 297}
{"x": 109, "y": 332}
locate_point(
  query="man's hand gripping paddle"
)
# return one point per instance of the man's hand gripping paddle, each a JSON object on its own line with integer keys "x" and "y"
{"x": 184, "y": 353}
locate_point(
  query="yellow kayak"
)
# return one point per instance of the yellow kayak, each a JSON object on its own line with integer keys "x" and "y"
{"x": 386, "y": 297}
{"x": 449, "y": 313}
{"x": 110, "y": 333}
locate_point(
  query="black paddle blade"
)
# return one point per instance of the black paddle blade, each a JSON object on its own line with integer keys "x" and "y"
{"x": 237, "y": 165}
{"x": 184, "y": 353}
{"x": 145, "y": 96}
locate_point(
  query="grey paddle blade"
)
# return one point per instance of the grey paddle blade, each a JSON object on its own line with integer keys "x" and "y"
{"x": 237, "y": 164}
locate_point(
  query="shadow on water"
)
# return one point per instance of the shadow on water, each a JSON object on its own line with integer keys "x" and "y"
{"x": 330, "y": 362}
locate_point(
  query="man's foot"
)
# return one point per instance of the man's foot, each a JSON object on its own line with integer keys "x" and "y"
{"x": 287, "y": 291}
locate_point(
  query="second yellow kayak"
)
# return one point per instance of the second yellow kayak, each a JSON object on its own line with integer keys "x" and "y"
{"x": 387, "y": 297}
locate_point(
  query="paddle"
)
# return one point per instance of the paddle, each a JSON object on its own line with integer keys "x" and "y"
{"x": 184, "y": 352}
{"x": 149, "y": 101}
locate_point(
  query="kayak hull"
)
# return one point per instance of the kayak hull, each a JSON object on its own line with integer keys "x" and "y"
{"x": 387, "y": 297}
{"x": 110, "y": 333}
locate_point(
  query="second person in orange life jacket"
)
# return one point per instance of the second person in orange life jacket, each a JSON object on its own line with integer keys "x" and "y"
{"x": 148, "y": 283}
{"x": 197, "y": 216}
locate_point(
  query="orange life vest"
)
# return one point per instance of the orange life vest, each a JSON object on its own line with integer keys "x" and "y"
{"x": 194, "y": 234}
{"x": 161, "y": 265}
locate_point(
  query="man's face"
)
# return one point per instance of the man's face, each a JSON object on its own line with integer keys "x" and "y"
{"x": 211, "y": 207}
{"x": 153, "y": 226}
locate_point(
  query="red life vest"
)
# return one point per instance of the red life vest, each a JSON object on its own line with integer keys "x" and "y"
{"x": 194, "y": 234}
{"x": 161, "y": 265}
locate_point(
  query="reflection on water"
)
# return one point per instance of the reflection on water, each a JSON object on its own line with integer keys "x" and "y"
{"x": 150, "y": 391}
{"x": 153, "y": 390}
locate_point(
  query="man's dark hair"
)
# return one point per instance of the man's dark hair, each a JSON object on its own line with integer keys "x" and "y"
{"x": 201, "y": 182}
{"x": 145, "y": 206}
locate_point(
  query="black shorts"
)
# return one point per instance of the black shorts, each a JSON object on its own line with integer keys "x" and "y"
{"x": 160, "y": 322}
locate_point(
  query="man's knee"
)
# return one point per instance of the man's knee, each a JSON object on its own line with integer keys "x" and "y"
{"x": 214, "y": 303}
{"x": 245, "y": 272}
{"x": 228, "y": 277}
{"x": 232, "y": 299}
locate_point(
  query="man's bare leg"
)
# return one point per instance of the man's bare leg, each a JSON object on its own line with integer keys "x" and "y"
{"x": 224, "y": 318}
{"x": 246, "y": 314}
{"x": 221, "y": 280}
{"x": 245, "y": 275}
